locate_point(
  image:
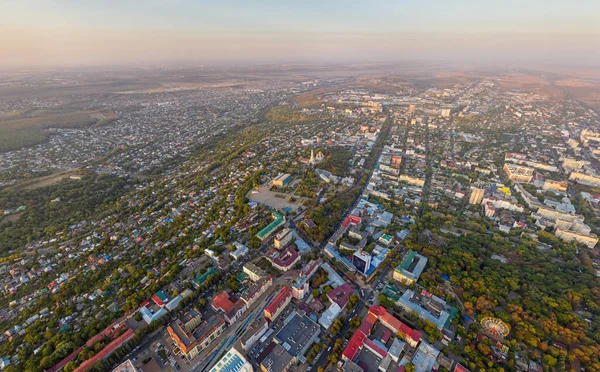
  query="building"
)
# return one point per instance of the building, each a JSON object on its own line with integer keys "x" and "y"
{"x": 192, "y": 319}
{"x": 281, "y": 180}
{"x": 415, "y": 181}
{"x": 278, "y": 220}
{"x": 278, "y": 360}
{"x": 254, "y": 272}
{"x": 192, "y": 342}
{"x": 499, "y": 203}
{"x": 221, "y": 302}
{"x": 255, "y": 290}
{"x": 589, "y": 240}
{"x": 126, "y": 366}
{"x": 237, "y": 310}
{"x": 518, "y": 173}
{"x": 338, "y": 297}
{"x": 425, "y": 357}
{"x": 584, "y": 178}
{"x": 232, "y": 361}
{"x": 278, "y": 303}
{"x": 253, "y": 333}
{"x": 283, "y": 238}
{"x": 410, "y": 269}
{"x": 446, "y": 112}
{"x": 362, "y": 262}
{"x": 360, "y": 338}
{"x": 298, "y": 334}
{"x": 558, "y": 186}
{"x": 385, "y": 239}
{"x": 476, "y": 195}
{"x": 240, "y": 250}
{"x": 284, "y": 260}
{"x": 107, "y": 350}
{"x": 301, "y": 287}
{"x": 426, "y": 305}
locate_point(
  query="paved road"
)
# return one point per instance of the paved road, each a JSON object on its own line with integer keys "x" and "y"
{"x": 363, "y": 292}
{"x": 207, "y": 357}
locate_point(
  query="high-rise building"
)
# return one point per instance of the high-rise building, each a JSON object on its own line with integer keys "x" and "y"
{"x": 362, "y": 262}
{"x": 476, "y": 196}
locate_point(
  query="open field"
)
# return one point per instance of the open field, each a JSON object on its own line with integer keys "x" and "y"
{"x": 44, "y": 181}
{"x": 276, "y": 200}
{"x": 30, "y": 128}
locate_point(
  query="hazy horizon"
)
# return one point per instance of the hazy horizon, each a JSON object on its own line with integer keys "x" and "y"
{"x": 68, "y": 33}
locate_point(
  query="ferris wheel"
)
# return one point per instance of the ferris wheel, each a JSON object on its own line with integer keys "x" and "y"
{"x": 495, "y": 327}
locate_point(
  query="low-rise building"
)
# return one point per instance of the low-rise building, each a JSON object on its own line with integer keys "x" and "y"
{"x": 278, "y": 360}
{"x": 192, "y": 342}
{"x": 410, "y": 269}
{"x": 232, "y": 361}
{"x": 253, "y": 333}
{"x": 278, "y": 303}
{"x": 518, "y": 173}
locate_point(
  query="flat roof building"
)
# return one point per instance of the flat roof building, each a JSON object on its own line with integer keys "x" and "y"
{"x": 278, "y": 360}
{"x": 426, "y": 305}
{"x": 232, "y": 361}
{"x": 298, "y": 334}
{"x": 281, "y": 180}
{"x": 410, "y": 269}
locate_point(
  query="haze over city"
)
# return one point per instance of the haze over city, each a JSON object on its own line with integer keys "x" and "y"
{"x": 58, "y": 33}
{"x": 322, "y": 186}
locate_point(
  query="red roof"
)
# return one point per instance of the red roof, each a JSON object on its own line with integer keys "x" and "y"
{"x": 157, "y": 299}
{"x": 108, "y": 349}
{"x": 367, "y": 324}
{"x": 460, "y": 368}
{"x": 351, "y": 219}
{"x": 341, "y": 294}
{"x": 374, "y": 348}
{"x": 376, "y": 312}
{"x": 352, "y": 350}
{"x": 386, "y": 336}
{"x": 416, "y": 335}
{"x": 67, "y": 359}
{"x": 391, "y": 321}
{"x": 286, "y": 258}
{"x": 222, "y": 302}
{"x": 279, "y": 300}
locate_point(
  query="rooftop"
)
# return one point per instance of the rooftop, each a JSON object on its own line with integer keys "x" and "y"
{"x": 298, "y": 334}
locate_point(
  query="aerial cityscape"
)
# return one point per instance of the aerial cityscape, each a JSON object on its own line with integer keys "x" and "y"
{"x": 278, "y": 215}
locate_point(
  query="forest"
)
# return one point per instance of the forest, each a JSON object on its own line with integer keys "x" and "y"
{"x": 550, "y": 300}
{"x": 53, "y": 208}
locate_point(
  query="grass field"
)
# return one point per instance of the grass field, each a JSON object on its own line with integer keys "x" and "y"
{"x": 28, "y": 128}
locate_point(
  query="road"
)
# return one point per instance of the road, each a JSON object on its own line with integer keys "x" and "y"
{"x": 207, "y": 357}
{"x": 363, "y": 292}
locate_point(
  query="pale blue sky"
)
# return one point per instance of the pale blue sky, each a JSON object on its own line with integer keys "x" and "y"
{"x": 135, "y": 30}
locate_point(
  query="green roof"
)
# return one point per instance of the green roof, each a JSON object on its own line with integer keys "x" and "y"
{"x": 453, "y": 312}
{"x": 161, "y": 295}
{"x": 200, "y": 280}
{"x": 278, "y": 220}
{"x": 410, "y": 256}
{"x": 242, "y": 276}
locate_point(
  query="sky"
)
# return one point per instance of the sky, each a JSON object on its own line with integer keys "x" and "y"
{"x": 146, "y": 32}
